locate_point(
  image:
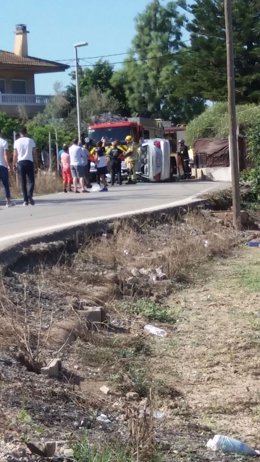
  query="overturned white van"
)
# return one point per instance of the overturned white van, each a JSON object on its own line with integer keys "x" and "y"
{"x": 154, "y": 160}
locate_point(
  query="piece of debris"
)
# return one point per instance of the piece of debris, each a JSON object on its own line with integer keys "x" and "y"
{"x": 103, "y": 418}
{"x": 50, "y": 448}
{"x": 253, "y": 243}
{"x": 105, "y": 390}
{"x": 155, "y": 330}
{"x": 158, "y": 414}
{"x": 34, "y": 449}
{"x": 68, "y": 453}
{"x": 95, "y": 314}
{"x": 160, "y": 274}
{"x": 227, "y": 444}
{"x": 132, "y": 396}
{"x": 53, "y": 369}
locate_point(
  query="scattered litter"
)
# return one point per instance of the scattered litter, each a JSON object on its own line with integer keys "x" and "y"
{"x": 95, "y": 187}
{"x": 155, "y": 330}
{"x": 103, "y": 418}
{"x": 68, "y": 453}
{"x": 104, "y": 389}
{"x": 253, "y": 243}
{"x": 126, "y": 252}
{"x": 132, "y": 395}
{"x": 135, "y": 272}
{"x": 227, "y": 444}
{"x": 206, "y": 243}
{"x": 160, "y": 274}
{"x": 158, "y": 414}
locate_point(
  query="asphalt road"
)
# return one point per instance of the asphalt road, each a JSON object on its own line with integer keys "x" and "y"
{"x": 55, "y": 212}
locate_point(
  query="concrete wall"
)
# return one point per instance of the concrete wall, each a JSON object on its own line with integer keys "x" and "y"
{"x": 8, "y": 76}
{"x": 213, "y": 173}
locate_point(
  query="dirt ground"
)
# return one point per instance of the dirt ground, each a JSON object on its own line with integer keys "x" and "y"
{"x": 199, "y": 380}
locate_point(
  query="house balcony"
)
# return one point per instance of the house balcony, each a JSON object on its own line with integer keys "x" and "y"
{"x": 15, "y": 105}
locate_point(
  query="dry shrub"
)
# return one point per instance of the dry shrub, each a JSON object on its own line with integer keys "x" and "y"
{"x": 8, "y": 336}
{"x": 47, "y": 182}
{"x": 177, "y": 248}
{"x": 118, "y": 249}
{"x": 20, "y": 331}
{"x": 141, "y": 428}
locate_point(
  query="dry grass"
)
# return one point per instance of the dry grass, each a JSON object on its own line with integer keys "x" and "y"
{"x": 45, "y": 183}
{"x": 215, "y": 360}
{"x": 205, "y": 372}
{"x": 181, "y": 246}
{"x": 141, "y": 428}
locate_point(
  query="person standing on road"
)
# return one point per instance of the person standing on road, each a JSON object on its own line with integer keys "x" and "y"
{"x": 130, "y": 159}
{"x": 65, "y": 166}
{"x": 184, "y": 154}
{"x": 76, "y": 165}
{"x": 4, "y": 170}
{"x": 85, "y": 164}
{"x": 23, "y": 159}
{"x": 101, "y": 162}
{"x": 115, "y": 156}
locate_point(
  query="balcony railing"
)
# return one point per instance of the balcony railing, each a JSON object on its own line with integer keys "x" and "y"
{"x": 8, "y": 99}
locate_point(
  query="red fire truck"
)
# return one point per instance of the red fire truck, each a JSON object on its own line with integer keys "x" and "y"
{"x": 116, "y": 128}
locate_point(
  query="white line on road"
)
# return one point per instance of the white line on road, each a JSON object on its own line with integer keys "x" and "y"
{"x": 69, "y": 224}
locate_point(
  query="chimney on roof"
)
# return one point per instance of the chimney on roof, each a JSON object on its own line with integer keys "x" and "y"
{"x": 20, "y": 42}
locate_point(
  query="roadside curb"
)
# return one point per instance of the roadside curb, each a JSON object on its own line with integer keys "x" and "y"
{"x": 71, "y": 238}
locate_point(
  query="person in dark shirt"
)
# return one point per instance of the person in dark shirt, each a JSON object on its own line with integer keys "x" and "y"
{"x": 101, "y": 162}
{"x": 184, "y": 154}
{"x": 115, "y": 156}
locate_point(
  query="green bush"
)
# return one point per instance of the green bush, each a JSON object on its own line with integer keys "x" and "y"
{"x": 83, "y": 452}
{"x": 213, "y": 123}
{"x": 151, "y": 310}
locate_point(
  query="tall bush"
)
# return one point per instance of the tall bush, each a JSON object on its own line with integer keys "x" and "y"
{"x": 213, "y": 123}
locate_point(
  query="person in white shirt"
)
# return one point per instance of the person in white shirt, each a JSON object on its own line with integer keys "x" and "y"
{"x": 85, "y": 163}
{"x": 4, "y": 168}
{"x": 23, "y": 159}
{"x": 76, "y": 166}
{"x": 101, "y": 162}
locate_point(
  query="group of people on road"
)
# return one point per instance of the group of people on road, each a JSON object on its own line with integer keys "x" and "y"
{"x": 76, "y": 160}
{"x": 23, "y": 161}
{"x": 75, "y": 163}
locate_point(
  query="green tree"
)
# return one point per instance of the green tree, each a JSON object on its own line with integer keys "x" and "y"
{"x": 151, "y": 66}
{"x": 54, "y": 120}
{"x": 202, "y": 64}
{"x": 97, "y": 102}
{"x": 8, "y": 126}
{"x": 98, "y": 81}
{"x": 98, "y": 77}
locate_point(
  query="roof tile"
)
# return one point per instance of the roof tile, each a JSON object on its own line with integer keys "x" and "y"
{"x": 10, "y": 59}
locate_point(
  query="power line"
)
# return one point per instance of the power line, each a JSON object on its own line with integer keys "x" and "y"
{"x": 102, "y": 56}
{"x": 92, "y": 57}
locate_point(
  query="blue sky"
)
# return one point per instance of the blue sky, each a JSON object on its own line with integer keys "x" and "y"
{"x": 56, "y": 25}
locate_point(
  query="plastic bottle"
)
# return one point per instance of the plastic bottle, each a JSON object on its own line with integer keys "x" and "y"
{"x": 253, "y": 244}
{"x": 155, "y": 330}
{"x": 227, "y": 444}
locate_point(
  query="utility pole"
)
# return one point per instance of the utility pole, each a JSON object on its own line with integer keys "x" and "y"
{"x": 78, "y": 45}
{"x": 233, "y": 146}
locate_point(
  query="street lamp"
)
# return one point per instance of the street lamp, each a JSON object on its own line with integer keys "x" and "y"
{"x": 76, "y": 46}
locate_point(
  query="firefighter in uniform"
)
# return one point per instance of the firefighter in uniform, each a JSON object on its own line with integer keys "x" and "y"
{"x": 130, "y": 159}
